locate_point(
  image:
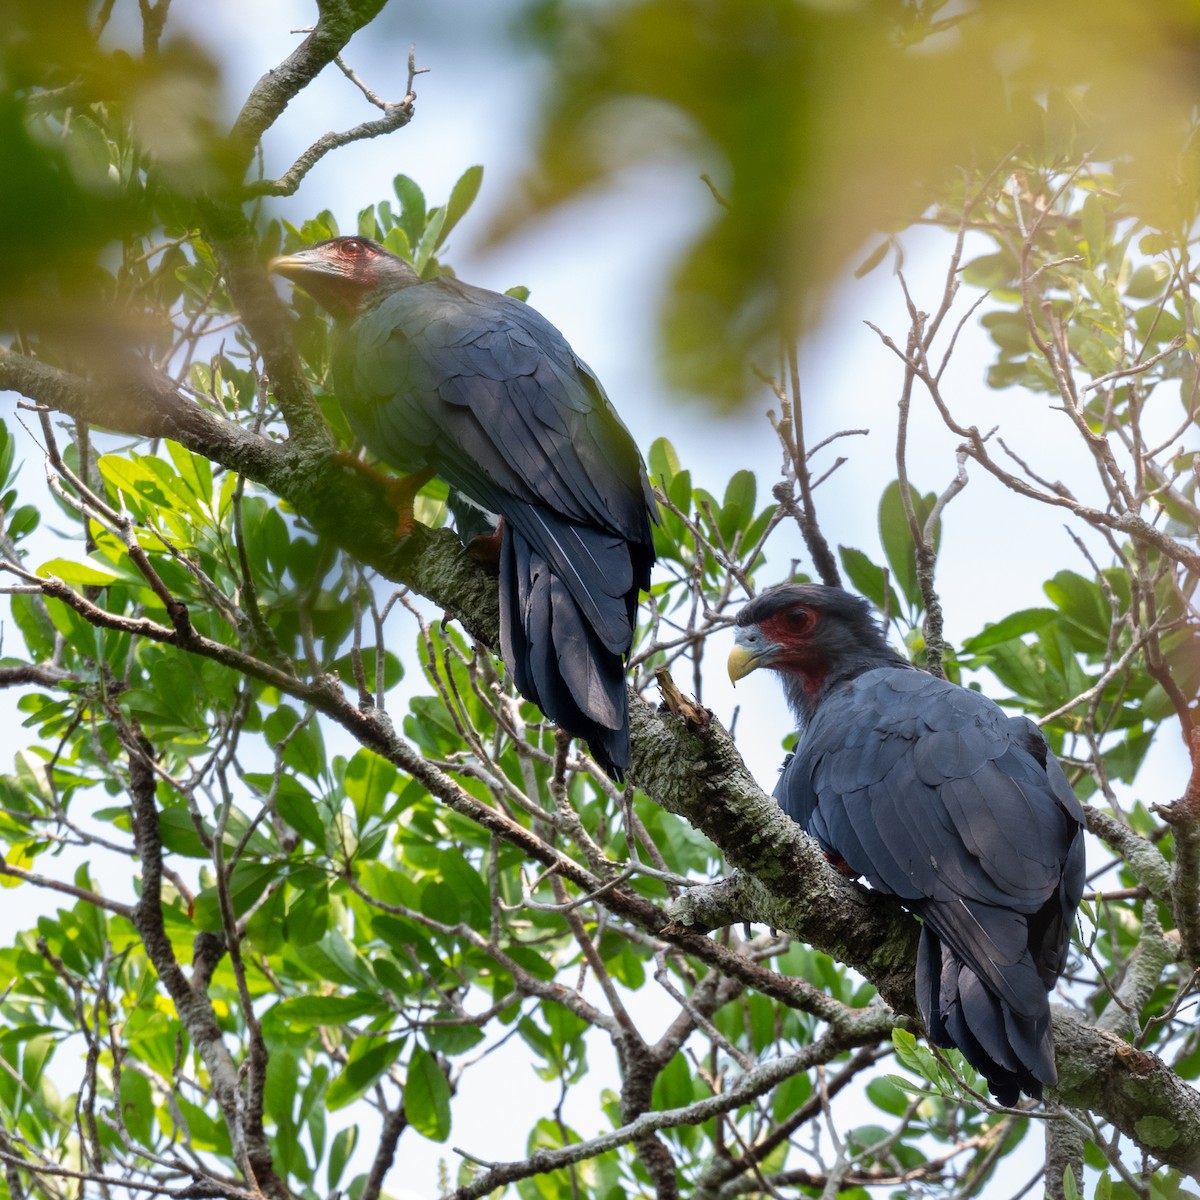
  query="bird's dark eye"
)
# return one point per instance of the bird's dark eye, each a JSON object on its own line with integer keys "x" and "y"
{"x": 352, "y": 247}
{"x": 800, "y": 620}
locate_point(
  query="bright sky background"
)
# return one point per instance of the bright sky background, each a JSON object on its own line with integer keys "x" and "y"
{"x": 596, "y": 270}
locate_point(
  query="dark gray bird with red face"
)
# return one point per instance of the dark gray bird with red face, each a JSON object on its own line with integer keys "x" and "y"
{"x": 437, "y": 376}
{"x": 933, "y": 795}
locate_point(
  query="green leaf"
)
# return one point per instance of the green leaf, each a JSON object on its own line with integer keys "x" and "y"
{"x": 1008, "y": 331}
{"x": 393, "y": 669}
{"x": 179, "y": 833}
{"x": 368, "y": 225}
{"x": 919, "y": 1060}
{"x": 429, "y": 240}
{"x": 247, "y": 883}
{"x": 7, "y": 452}
{"x": 307, "y": 918}
{"x": 36, "y": 627}
{"x": 737, "y": 509}
{"x": 469, "y": 887}
{"x": 886, "y": 1096}
{"x": 1015, "y": 625}
{"x": 412, "y": 208}
{"x": 1147, "y": 281}
{"x": 674, "y": 1087}
{"x": 453, "y": 1039}
{"x": 790, "y": 1095}
{"x": 897, "y": 538}
{"x": 397, "y": 242}
{"x": 427, "y": 1097}
{"x": 23, "y": 521}
{"x": 872, "y": 260}
{"x": 1084, "y": 609}
{"x": 333, "y": 959}
{"x": 88, "y": 572}
{"x": 663, "y": 462}
{"x": 1070, "y": 1189}
{"x": 340, "y": 1152}
{"x": 296, "y": 807}
{"x": 194, "y": 470}
{"x": 304, "y": 751}
{"x": 366, "y": 1062}
{"x": 462, "y": 196}
{"x": 1095, "y": 228}
{"x": 309, "y": 1011}
{"x": 368, "y": 781}
{"x": 870, "y": 579}
{"x": 991, "y": 271}
{"x": 137, "y": 1106}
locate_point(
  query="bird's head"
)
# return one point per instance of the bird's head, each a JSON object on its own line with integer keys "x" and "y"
{"x": 810, "y": 634}
{"x": 345, "y": 274}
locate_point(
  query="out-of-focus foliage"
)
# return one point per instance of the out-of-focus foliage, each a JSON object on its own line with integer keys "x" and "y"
{"x": 326, "y": 921}
{"x": 820, "y": 125}
{"x": 96, "y": 144}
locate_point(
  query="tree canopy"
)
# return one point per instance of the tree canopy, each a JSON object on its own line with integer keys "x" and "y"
{"x": 361, "y": 863}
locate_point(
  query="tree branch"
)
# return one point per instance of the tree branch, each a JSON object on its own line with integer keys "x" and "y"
{"x": 194, "y": 1008}
{"x": 751, "y": 1084}
{"x": 1184, "y": 819}
{"x": 694, "y": 772}
{"x": 339, "y": 20}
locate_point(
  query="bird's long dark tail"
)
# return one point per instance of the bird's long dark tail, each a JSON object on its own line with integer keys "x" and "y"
{"x": 979, "y": 990}
{"x": 567, "y": 600}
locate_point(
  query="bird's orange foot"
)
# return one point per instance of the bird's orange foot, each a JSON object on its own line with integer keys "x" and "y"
{"x": 400, "y": 490}
{"x": 485, "y": 547}
{"x": 838, "y": 863}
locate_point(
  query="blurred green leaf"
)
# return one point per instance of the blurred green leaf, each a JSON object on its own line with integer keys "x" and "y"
{"x": 462, "y": 196}
{"x": 366, "y": 1062}
{"x": 427, "y": 1097}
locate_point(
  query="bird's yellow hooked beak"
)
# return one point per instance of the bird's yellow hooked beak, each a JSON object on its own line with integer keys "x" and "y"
{"x": 742, "y": 660}
{"x": 751, "y": 649}
{"x": 303, "y": 264}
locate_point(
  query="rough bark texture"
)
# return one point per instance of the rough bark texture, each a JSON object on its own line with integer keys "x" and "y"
{"x": 698, "y": 774}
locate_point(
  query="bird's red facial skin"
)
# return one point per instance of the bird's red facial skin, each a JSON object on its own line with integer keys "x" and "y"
{"x": 344, "y": 285}
{"x": 352, "y": 253}
{"x": 792, "y": 628}
{"x": 356, "y": 264}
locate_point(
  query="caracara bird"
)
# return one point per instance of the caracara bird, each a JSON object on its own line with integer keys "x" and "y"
{"x": 438, "y": 377}
{"x": 933, "y": 795}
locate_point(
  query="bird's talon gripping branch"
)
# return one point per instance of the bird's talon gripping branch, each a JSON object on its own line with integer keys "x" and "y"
{"x": 400, "y": 490}
{"x": 402, "y": 495}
